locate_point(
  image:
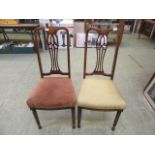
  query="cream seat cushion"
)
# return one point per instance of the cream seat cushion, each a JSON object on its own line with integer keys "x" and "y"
{"x": 100, "y": 94}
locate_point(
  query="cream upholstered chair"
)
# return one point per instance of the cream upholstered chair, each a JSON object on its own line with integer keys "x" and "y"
{"x": 101, "y": 94}
{"x": 52, "y": 92}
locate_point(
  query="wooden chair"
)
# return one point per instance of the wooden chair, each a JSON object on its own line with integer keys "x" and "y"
{"x": 101, "y": 94}
{"x": 52, "y": 93}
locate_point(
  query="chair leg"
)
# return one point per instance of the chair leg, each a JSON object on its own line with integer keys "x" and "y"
{"x": 36, "y": 118}
{"x": 79, "y": 117}
{"x": 73, "y": 117}
{"x": 116, "y": 119}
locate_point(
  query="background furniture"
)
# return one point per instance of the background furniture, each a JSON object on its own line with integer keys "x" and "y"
{"x": 100, "y": 94}
{"x": 149, "y": 91}
{"x": 28, "y": 28}
{"x": 147, "y": 27}
{"x": 52, "y": 93}
{"x": 6, "y": 38}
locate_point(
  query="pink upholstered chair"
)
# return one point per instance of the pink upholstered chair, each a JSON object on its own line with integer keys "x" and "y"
{"x": 52, "y": 93}
{"x": 101, "y": 94}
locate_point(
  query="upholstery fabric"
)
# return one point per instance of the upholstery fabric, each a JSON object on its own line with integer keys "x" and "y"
{"x": 100, "y": 94}
{"x": 52, "y": 92}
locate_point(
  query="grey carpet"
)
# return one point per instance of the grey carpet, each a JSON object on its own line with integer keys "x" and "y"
{"x": 20, "y": 73}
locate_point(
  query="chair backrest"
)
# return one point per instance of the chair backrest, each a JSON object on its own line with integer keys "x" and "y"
{"x": 51, "y": 40}
{"x": 101, "y": 48}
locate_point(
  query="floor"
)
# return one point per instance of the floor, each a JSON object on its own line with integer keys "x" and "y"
{"x": 19, "y": 74}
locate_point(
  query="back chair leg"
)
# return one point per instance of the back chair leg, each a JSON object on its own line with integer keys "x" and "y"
{"x": 73, "y": 117}
{"x": 79, "y": 116}
{"x": 36, "y": 118}
{"x": 116, "y": 119}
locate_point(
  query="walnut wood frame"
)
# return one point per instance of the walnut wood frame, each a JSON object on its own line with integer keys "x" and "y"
{"x": 152, "y": 77}
{"x": 101, "y": 72}
{"x": 52, "y": 47}
{"x": 145, "y": 89}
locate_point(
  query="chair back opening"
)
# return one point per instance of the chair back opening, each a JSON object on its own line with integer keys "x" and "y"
{"x": 48, "y": 40}
{"x": 101, "y": 47}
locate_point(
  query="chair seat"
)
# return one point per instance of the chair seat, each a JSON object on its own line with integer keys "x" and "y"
{"x": 100, "y": 94}
{"x": 53, "y": 92}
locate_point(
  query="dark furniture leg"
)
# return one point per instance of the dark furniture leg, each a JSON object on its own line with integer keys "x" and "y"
{"x": 79, "y": 117}
{"x": 36, "y": 117}
{"x": 116, "y": 119}
{"x": 73, "y": 117}
{"x": 6, "y": 38}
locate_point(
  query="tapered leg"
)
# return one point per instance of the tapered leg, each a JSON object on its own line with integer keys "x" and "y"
{"x": 73, "y": 117}
{"x": 79, "y": 117}
{"x": 36, "y": 117}
{"x": 116, "y": 119}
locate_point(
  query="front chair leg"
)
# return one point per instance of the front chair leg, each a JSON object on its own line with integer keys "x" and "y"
{"x": 73, "y": 117}
{"x": 79, "y": 116}
{"x": 36, "y": 118}
{"x": 116, "y": 119}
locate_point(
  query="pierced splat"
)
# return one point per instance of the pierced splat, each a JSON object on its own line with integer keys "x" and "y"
{"x": 101, "y": 47}
{"x": 52, "y": 42}
{"x": 53, "y": 46}
{"x": 53, "y": 49}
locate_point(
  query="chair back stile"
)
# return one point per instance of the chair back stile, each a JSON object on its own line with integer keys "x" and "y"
{"x": 118, "y": 42}
{"x": 36, "y": 46}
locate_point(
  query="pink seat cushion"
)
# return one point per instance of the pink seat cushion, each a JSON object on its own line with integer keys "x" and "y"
{"x": 53, "y": 92}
